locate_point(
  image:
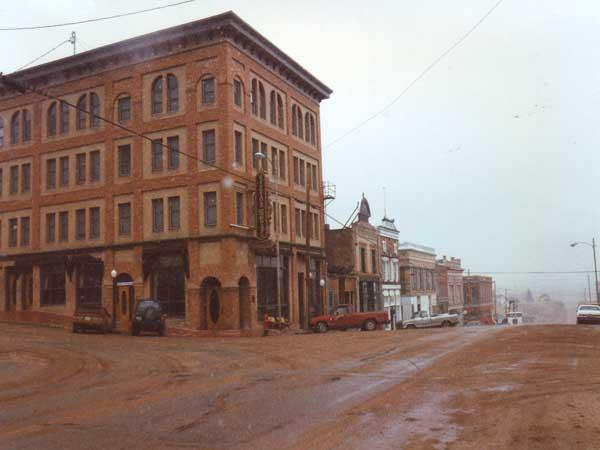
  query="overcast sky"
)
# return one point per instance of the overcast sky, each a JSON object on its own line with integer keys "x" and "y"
{"x": 492, "y": 157}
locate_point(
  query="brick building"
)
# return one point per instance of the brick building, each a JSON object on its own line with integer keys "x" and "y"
{"x": 479, "y": 298}
{"x": 417, "y": 277}
{"x": 172, "y": 212}
{"x": 390, "y": 271}
{"x": 449, "y": 285}
{"x": 353, "y": 263}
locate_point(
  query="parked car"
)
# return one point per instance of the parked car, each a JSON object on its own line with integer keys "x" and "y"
{"x": 588, "y": 314}
{"x": 92, "y": 317}
{"x": 423, "y": 320}
{"x": 148, "y": 316}
{"x": 343, "y": 317}
{"x": 514, "y": 318}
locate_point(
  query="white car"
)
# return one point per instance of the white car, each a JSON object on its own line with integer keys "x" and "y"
{"x": 588, "y": 314}
{"x": 514, "y": 318}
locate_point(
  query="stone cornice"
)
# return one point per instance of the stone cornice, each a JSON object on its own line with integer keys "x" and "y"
{"x": 226, "y": 27}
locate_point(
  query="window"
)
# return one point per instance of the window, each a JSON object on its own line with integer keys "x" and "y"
{"x": 94, "y": 223}
{"x": 313, "y": 177}
{"x": 64, "y": 118}
{"x": 282, "y": 165}
{"x": 275, "y": 210}
{"x": 157, "y": 155}
{"x": 63, "y": 226}
{"x": 272, "y": 108}
{"x": 306, "y": 127}
{"x": 284, "y": 220}
{"x": 25, "y": 178}
{"x": 80, "y": 167}
{"x": 363, "y": 260}
{"x": 316, "y": 225}
{"x": 208, "y": 144}
{"x": 296, "y": 170}
{"x": 300, "y": 127}
{"x": 95, "y": 110}
{"x": 95, "y": 166}
{"x": 254, "y": 152}
{"x": 25, "y": 227}
{"x": 313, "y": 138}
{"x": 263, "y": 150}
{"x": 238, "y": 148}
{"x": 64, "y": 171}
{"x": 26, "y": 126}
{"x": 173, "y": 157}
{"x": 81, "y": 115}
{"x": 1, "y": 180}
{"x": 297, "y": 222}
{"x": 14, "y": 180}
{"x": 12, "y": 232}
{"x": 1, "y": 132}
{"x": 51, "y": 120}
{"x": 302, "y": 182}
{"x": 51, "y": 227}
{"x": 173, "y": 203}
{"x": 237, "y": 92}
{"x": 172, "y": 93}
{"x": 124, "y": 160}
{"x": 279, "y": 112}
{"x": 262, "y": 106}
{"x": 156, "y": 94}
{"x": 157, "y": 215}
{"x": 124, "y": 109}
{"x": 50, "y": 173}
{"x": 14, "y": 128}
{"x": 294, "y": 121}
{"x": 254, "y": 98}
{"x": 52, "y": 289}
{"x": 274, "y": 164}
{"x": 208, "y": 91}
{"x": 239, "y": 208}
{"x": 124, "y": 219}
{"x": 210, "y": 209}
{"x": 303, "y": 222}
{"x": 80, "y": 224}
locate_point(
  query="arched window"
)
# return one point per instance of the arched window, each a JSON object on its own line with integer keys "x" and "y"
{"x": 51, "y": 120}
{"x": 1, "y": 132}
{"x": 26, "y": 125}
{"x": 14, "y": 128}
{"x": 81, "y": 114}
{"x": 306, "y": 127}
{"x": 294, "y": 121}
{"x": 262, "y": 103}
{"x": 172, "y": 93}
{"x": 279, "y": 111}
{"x": 94, "y": 110}
{"x": 64, "y": 118}
{"x": 300, "y": 127}
{"x": 272, "y": 108}
{"x": 238, "y": 93}
{"x": 156, "y": 94}
{"x": 313, "y": 137}
{"x": 254, "y": 98}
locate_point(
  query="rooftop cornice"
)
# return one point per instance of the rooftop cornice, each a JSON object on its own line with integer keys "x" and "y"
{"x": 226, "y": 27}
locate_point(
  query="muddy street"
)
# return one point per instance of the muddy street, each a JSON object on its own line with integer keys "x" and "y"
{"x": 529, "y": 387}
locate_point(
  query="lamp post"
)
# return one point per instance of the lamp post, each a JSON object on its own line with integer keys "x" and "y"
{"x": 113, "y": 274}
{"x": 593, "y": 245}
{"x": 260, "y": 156}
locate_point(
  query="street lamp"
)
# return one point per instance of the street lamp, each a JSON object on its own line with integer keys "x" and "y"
{"x": 113, "y": 274}
{"x": 593, "y": 245}
{"x": 260, "y": 156}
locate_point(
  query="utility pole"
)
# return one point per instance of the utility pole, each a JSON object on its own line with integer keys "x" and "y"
{"x": 589, "y": 289}
{"x": 595, "y": 270}
{"x": 73, "y": 40}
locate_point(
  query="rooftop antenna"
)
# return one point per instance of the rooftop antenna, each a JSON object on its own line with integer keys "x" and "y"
{"x": 73, "y": 40}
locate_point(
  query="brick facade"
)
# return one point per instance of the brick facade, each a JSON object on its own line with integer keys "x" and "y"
{"x": 202, "y": 258}
{"x": 479, "y": 299}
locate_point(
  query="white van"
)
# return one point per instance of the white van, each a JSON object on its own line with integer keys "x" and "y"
{"x": 514, "y": 318}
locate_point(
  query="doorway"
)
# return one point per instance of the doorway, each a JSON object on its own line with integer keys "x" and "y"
{"x": 125, "y": 298}
{"x": 301, "y": 301}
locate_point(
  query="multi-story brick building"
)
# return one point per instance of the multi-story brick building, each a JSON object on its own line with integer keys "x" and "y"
{"x": 353, "y": 263}
{"x": 417, "y": 277}
{"x": 168, "y": 203}
{"x": 479, "y": 299}
{"x": 449, "y": 284}
{"x": 390, "y": 271}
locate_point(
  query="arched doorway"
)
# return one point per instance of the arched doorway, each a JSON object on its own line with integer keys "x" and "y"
{"x": 210, "y": 295}
{"x": 125, "y": 298}
{"x": 244, "y": 306}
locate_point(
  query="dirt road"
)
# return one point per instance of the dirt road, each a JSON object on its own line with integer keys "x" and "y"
{"x": 534, "y": 387}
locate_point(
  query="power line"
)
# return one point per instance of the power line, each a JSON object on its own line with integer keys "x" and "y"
{"x": 418, "y": 78}
{"x": 47, "y": 53}
{"x": 539, "y": 272}
{"x": 116, "y": 16}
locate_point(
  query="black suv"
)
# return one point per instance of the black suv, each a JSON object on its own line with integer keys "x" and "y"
{"x": 148, "y": 317}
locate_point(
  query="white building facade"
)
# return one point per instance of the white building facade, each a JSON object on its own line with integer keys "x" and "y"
{"x": 418, "y": 278}
{"x": 390, "y": 271}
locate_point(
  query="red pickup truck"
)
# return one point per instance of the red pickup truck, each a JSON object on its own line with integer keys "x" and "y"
{"x": 344, "y": 317}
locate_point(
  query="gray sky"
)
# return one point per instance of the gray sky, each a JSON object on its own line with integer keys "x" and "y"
{"x": 518, "y": 104}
